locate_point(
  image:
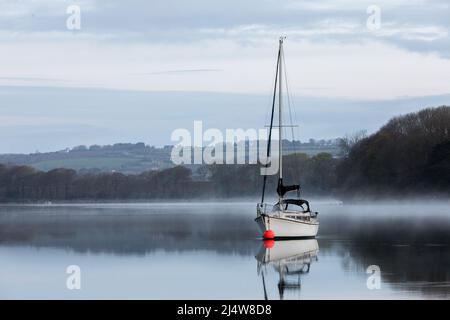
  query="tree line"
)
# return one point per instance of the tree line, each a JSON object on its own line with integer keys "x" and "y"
{"x": 24, "y": 183}
{"x": 410, "y": 155}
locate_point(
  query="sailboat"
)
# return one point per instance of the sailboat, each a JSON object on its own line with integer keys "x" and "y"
{"x": 289, "y": 217}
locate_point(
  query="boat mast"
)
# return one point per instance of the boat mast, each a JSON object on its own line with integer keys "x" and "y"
{"x": 271, "y": 120}
{"x": 280, "y": 114}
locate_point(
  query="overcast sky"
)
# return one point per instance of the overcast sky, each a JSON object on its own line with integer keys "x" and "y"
{"x": 216, "y": 55}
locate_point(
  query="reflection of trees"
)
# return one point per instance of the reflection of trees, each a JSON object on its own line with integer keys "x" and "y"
{"x": 422, "y": 268}
{"x": 413, "y": 253}
{"x": 127, "y": 231}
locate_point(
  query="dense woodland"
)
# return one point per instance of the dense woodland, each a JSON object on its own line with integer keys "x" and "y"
{"x": 410, "y": 155}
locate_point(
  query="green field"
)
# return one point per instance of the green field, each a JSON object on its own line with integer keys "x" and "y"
{"x": 104, "y": 163}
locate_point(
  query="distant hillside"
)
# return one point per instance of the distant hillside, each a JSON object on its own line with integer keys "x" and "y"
{"x": 131, "y": 158}
{"x": 122, "y": 157}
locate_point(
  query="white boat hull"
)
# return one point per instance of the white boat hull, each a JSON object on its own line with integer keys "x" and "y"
{"x": 287, "y": 228}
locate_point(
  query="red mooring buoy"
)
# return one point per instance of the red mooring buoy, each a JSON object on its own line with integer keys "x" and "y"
{"x": 268, "y": 234}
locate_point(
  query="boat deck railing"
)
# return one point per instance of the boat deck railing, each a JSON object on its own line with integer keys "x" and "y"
{"x": 263, "y": 208}
{"x": 267, "y": 208}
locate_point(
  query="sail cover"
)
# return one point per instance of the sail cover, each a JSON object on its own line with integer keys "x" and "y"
{"x": 282, "y": 189}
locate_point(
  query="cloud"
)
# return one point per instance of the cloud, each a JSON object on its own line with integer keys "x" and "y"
{"x": 406, "y": 24}
{"x": 328, "y": 46}
{"x": 182, "y": 71}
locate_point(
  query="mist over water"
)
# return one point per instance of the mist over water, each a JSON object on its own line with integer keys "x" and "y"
{"x": 160, "y": 250}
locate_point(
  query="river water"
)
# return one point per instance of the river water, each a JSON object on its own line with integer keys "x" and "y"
{"x": 212, "y": 250}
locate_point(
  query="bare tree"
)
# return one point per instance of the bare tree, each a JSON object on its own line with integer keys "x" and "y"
{"x": 349, "y": 140}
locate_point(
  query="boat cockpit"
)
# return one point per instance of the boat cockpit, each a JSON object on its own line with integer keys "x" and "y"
{"x": 293, "y": 205}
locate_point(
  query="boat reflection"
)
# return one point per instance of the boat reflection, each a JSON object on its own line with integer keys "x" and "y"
{"x": 291, "y": 259}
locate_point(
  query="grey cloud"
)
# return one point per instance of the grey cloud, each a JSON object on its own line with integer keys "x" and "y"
{"x": 196, "y": 20}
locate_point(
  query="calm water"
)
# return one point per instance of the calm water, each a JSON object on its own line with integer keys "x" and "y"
{"x": 212, "y": 251}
